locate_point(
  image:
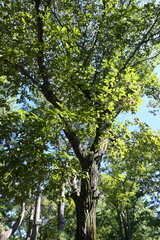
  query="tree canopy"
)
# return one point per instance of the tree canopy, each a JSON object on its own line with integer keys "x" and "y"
{"x": 73, "y": 67}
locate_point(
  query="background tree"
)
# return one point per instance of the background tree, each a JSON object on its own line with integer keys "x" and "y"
{"x": 21, "y": 169}
{"x": 129, "y": 203}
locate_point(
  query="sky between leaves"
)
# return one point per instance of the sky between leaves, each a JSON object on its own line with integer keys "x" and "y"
{"x": 143, "y": 114}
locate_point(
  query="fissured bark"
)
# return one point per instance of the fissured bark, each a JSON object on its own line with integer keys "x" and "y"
{"x": 86, "y": 204}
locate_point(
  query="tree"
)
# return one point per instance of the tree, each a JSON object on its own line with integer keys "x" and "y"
{"x": 91, "y": 60}
{"x": 20, "y": 170}
{"x": 129, "y": 186}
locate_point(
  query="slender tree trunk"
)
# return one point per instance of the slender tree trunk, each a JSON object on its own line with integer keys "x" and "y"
{"x": 86, "y": 204}
{"x": 120, "y": 224}
{"x": 4, "y": 235}
{"x": 128, "y": 226}
{"x": 30, "y": 226}
{"x": 61, "y": 221}
{"x": 37, "y": 215}
{"x": 124, "y": 225}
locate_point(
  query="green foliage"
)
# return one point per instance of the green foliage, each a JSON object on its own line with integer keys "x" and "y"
{"x": 91, "y": 46}
{"x": 129, "y": 186}
{"x": 91, "y": 60}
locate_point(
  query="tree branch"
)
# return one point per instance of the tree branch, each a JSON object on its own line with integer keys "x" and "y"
{"x": 144, "y": 40}
{"x": 74, "y": 141}
{"x": 146, "y": 59}
{"x": 22, "y": 70}
{"x": 49, "y": 95}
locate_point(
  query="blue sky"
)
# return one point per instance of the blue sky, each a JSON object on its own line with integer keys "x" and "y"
{"x": 143, "y": 114}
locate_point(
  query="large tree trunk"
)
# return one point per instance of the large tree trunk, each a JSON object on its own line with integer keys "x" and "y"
{"x": 4, "y": 235}
{"x": 86, "y": 204}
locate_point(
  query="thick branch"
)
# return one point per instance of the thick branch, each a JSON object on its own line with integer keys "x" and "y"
{"x": 40, "y": 58}
{"x": 74, "y": 141}
{"x": 46, "y": 90}
{"x": 49, "y": 95}
{"x": 45, "y": 87}
{"x": 86, "y": 92}
{"x": 52, "y": 98}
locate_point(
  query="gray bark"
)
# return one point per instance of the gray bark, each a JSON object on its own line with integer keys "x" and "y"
{"x": 37, "y": 214}
{"x": 30, "y": 227}
{"x": 61, "y": 220}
